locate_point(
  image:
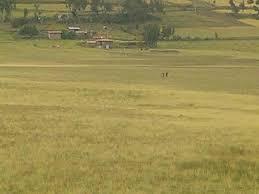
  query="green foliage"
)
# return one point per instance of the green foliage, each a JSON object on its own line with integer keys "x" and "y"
{"x": 167, "y": 31}
{"x": 157, "y": 5}
{"x": 151, "y": 34}
{"x": 138, "y": 10}
{"x": 25, "y": 12}
{"x": 18, "y": 22}
{"x": 107, "y": 7}
{"x": 6, "y": 7}
{"x": 76, "y": 5}
{"x": 135, "y": 9}
{"x": 242, "y": 6}
{"x": 95, "y": 6}
{"x": 250, "y": 2}
{"x": 233, "y": 7}
{"x": 37, "y": 12}
{"x": 68, "y": 35}
{"x": 29, "y": 30}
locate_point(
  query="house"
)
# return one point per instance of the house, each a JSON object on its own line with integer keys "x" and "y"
{"x": 100, "y": 43}
{"x": 54, "y": 35}
{"x": 74, "y": 29}
{"x": 81, "y": 34}
{"x": 104, "y": 43}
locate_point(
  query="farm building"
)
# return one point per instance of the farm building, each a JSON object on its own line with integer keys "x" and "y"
{"x": 81, "y": 34}
{"x": 104, "y": 43}
{"x": 54, "y": 35}
{"x": 74, "y": 29}
{"x": 100, "y": 43}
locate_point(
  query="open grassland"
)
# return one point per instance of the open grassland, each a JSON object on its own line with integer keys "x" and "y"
{"x": 77, "y": 120}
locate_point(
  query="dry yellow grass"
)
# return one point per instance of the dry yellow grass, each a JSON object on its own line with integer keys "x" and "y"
{"x": 77, "y": 120}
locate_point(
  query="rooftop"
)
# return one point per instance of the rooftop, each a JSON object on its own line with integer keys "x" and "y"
{"x": 73, "y": 28}
{"x": 54, "y": 32}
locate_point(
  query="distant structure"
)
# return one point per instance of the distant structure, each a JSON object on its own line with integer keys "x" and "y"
{"x": 54, "y": 35}
{"x": 74, "y": 29}
{"x": 79, "y": 33}
{"x": 104, "y": 43}
{"x": 100, "y": 43}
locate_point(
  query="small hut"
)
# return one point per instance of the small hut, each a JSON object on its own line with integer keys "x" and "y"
{"x": 104, "y": 43}
{"x": 74, "y": 29}
{"x": 54, "y": 35}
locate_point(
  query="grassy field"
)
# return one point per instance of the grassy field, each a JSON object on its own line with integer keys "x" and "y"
{"x": 77, "y": 120}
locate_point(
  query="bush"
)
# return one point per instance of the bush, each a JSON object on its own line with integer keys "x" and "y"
{"x": 68, "y": 35}
{"x": 29, "y": 30}
{"x": 177, "y": 37}
{"x": 18, "y": 22}
{"x": 166, "y": 32}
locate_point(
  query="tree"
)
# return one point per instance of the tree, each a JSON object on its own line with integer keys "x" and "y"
{"x": 37, "y": 11}
{"x": 135, "y": 10}
{"x": 256, "y": 7}
{"x": 6, "y": 8}
{"x": 95, "y": 5}
{"x": 29, "y": 30}
{"x": 250, "y": 2}
{"x": 76, "y": 5}
{"x": 234, "y": 8}
{"x": 167, "y": 31}
{"x": 242, "y": 5}
{"x": 151, "y": 34}
{"x": 107, "y": 7}
{"x": 157, "y": 5}
{"x": 25, "y": 12}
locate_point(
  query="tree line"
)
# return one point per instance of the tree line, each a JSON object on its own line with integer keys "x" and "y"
{"x": 132, "y": 9}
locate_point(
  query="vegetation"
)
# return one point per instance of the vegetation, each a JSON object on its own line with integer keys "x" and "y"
{"x": 76, "y": 5}
{"x": 233, "y": 6}
{"x": 151, "y": 34}
{"x": 178, "y": 117}
{"x": 29, "y": 30}
{"x": 6, "y": 8}
{"x": 68, "y": 35}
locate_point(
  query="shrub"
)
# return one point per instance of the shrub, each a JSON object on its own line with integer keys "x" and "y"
{"x": 18, "y": 22}
{"x": 250, "y": 1}
{"x": 29, "y": 30}
{"x": 166, "y": 32}
{"x": 68, "y": 35}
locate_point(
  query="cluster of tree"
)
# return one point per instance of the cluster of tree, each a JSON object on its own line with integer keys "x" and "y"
{"x": 255, "y": 3}
{"x": 96, "y": 6}
{"x": 6, "y": 7}
{"x": 154, "y": 32}
{"x": 139, "y": 9}
{"x": 29, "y": 30}
{"x": 133, "y": 9}
{"x": 233, "y": 6}
{"x": 236, "y": 8}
